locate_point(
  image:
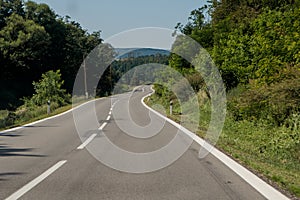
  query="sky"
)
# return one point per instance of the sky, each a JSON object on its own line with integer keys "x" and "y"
{"x": 114, "y": 16}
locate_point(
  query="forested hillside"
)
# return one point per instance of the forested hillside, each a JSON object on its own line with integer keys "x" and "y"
{"x": 256, "y": 46}
{"x": 34, "y": 40}
{"x": 124, "y": 68}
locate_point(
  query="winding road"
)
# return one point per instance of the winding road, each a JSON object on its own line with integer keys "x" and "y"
{"x": 50, "y": 160}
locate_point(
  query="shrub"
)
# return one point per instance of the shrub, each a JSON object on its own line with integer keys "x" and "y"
{"x": 49, "y": 88}
{"x": 3, "y": 115}
{"x": 10, "y": 119}
{"x": 275, "y": 102}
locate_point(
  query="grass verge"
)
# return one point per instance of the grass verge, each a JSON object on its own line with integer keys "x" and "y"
{"x": 273, "y": 153}
{"x": 20, "y": 118}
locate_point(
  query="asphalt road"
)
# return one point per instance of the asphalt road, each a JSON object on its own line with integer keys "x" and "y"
{"x": 43, "y": 161}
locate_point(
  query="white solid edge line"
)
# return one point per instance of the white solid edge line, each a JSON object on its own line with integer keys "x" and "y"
{"x": 48, "y": 118}
{"x": 35, "y": 181}
{"x": 102, "y": 126}
{"x": 261, "y": 186}
{"x": 87, "y": 141}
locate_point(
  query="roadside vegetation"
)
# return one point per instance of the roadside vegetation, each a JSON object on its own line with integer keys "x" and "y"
{"x": 49, "y": 88}
{"x": 40, "y": 55}
{"x": 34, "y": 40}
{"x": 255, "y": 45}
{"x": 270, "y": 151}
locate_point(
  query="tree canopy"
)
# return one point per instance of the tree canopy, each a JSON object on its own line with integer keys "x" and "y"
{"x": 255, "y": 45}
{"x": 34, "y": 40}
{"x": 248, "y": 40}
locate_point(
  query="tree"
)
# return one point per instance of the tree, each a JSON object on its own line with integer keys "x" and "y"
{"x": 274, "y": 44}
{"x": 8, "y": 7}
{"x": 23, "y": 44}
{"x": 50, "y": 88}
{"x": 34, "y": 40}
{"x": 77, "y": 44}
{"x": 40, "y": 14}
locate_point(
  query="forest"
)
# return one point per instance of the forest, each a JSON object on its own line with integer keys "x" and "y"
{"x": 34, "y": 40}
{"x": 256, "y": 47}
{"x": 40, "y": 56}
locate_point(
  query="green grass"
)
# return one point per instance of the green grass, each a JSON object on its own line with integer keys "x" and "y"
{"x": 3, "y": 115}
{"x": 33, "y": 114}
{"x": 37, "y": 116}
{"x": 271, "y": 152}
{"x": 253, "y": 144}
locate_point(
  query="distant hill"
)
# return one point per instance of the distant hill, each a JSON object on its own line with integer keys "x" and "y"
{"x": 138, "y": 52}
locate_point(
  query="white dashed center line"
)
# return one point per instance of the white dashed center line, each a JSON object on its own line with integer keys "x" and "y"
{"x": 102, "y": 126}
{"x": 51, "y": 170}
{"x": 87, "y": 141}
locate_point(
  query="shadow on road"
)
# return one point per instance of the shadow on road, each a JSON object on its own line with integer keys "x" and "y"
{"x": 36, "y": 126}
{"x": 8, "y": 151}
{"x": 4, "y": 176}
{"x": 10, "y": 134}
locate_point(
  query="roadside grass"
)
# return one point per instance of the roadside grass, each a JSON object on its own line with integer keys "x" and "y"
{"x": 24, "y": 116}
{"x": 271, "y": 152}
{"x": 33, "y": 116}
{"x": 3, "y": 115}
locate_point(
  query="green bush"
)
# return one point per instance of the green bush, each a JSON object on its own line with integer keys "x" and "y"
{"x": 26, "y": 113}
{"x": 158, "y": 89}
{"x": 49, "y": 88}
{"x": 3, "y": 115}
{"x": 10, "y": 119}
{"x": 7, "y": 118}
{"x": 275, "y": 103}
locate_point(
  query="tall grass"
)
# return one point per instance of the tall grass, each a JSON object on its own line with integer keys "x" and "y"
{"x": 271, "y": 151}
{"x": 3, "y": 116}
{"x": 28, "y": 114}
{"x": 267, "y": 149}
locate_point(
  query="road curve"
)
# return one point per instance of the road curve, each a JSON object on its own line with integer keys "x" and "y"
{"x": 49, "y": 160}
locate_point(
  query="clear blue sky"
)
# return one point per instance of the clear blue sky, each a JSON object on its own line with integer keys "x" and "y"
{"x": 114, "y": 16}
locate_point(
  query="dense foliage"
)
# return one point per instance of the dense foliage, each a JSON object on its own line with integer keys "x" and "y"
{"x": 255, "y": 44}
{"x": 34, "y": 40}
{"x": 256, "y": 47}
{"x": 49, "y": 88}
